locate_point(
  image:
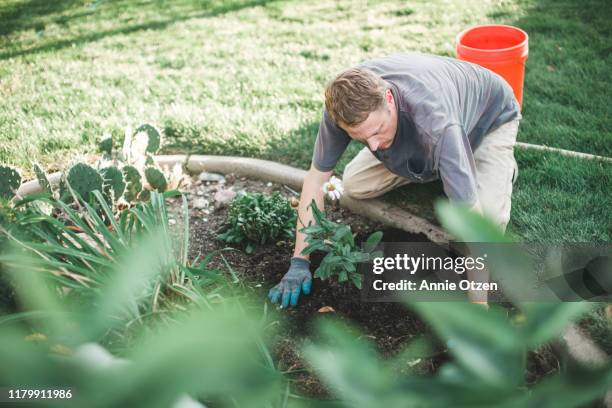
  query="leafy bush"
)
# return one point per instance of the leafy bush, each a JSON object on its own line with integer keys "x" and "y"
{"x": 217, "y": 354}
{"x": 489, "y": 351}
{"x": 337, "y": 240}
{"x": 80, "y": 249}
{"x": 256, "y": 218}
{"x": 182, "y": 327}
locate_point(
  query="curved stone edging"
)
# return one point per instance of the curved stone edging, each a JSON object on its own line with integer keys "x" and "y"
{"x": 563, "y": 152}
{"x": 32, "y": 186}
{"x": 374, "y": 209}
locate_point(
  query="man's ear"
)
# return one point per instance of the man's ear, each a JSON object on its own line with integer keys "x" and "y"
{"x": 389, "y": 96}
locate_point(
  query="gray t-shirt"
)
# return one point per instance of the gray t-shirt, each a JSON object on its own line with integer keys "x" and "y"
{"x": 445, "y": 108}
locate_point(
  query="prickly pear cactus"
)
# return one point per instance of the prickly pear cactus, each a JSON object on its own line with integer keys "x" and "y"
{"x": 145, "y": 195}
{"x": 134, "y": 183}
{"x": 63, "y": 189}
{"x": 112, "y": 181}
{"x": 154, "y": 137}
{"x": 10, "y": 180}
{"x": 106, "y": 145}
{"x": 126, "y": 150}
{"x": 156, "y": 179}
{"x": 84, "y": 179}
{"x": 43, "y": 181}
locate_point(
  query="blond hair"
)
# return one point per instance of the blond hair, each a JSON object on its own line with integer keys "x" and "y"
{"x": 353, "y": 95}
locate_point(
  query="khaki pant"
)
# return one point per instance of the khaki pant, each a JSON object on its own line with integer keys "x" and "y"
{"x": 496, "y": 171}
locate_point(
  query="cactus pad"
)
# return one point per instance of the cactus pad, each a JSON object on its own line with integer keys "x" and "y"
{"x": 145, "y": 195}
{"x": 43, "y": 181}
{"x": 154, "y": 137}
{"x": 10, "y": 180}
{"x": 84, "y": 179}
{"x": 134, "y": 183}
{"x": 112, "y": 180}
{"x": 156, "y": 179}
{"x": 106, "y": 145}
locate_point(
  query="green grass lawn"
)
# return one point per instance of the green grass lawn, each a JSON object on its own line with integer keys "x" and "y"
{"x": 247, "y": 77}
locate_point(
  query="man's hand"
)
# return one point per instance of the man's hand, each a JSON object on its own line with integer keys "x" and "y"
{"x": 297, "y": 279}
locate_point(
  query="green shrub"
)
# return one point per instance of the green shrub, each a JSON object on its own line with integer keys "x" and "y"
{"x": 211, "y": 348}
{"x": 487, "y": 362}
{"x": 337, "y": 240}
{"x": 256, "y": 218}
{"x": 185, "y": 327}
{"x": 87, "y": 245}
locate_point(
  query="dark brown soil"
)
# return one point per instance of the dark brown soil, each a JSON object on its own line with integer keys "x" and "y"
{"x": 389, "y": 326}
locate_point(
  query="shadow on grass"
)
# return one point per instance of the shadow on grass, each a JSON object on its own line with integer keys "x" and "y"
{"x": 40, "y": 8}
{"x": 293, "y": 148}
{"x": 24, "y": 16}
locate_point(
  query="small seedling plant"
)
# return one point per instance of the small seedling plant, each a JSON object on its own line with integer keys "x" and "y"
{"x": 338, "y": 241}
{"x": 256, "y": 218}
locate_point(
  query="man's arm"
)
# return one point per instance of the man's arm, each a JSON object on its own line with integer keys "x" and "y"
{"x": 329, "y": 146}
{"x": 298, "y": 278}
{"x": 311, "y": 189}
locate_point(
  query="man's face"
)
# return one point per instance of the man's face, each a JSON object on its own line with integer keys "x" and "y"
{"x": 378, "y": 130}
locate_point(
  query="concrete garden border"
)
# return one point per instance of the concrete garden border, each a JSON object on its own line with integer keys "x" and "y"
{"x": 578, "y": 344}
{"x": 292, "y": 177}
{"x": 562, "y": 152}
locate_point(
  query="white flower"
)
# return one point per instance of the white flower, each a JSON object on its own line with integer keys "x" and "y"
{"x": 333, "y": 188}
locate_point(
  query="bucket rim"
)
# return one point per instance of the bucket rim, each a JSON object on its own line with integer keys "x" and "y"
{"x": 513, "y": 48}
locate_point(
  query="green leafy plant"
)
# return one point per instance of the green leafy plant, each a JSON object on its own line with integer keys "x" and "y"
{"x": 135, "y": 161}
{"x": 140, "y": 145}
{"x": 256, "y": 218}
{"x": 118, "y": 175}
{"x": 337, "y": 240}
{"x": 131, "y": 289}
{"x": 7, "y": 221}
{"x": 488, "y": 357}
{"x": 81, "y": 247}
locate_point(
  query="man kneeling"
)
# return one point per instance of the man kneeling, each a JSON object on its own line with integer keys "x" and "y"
{"x": 421, "y": 118}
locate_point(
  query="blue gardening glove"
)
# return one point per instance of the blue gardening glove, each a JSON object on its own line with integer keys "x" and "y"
{"x": 297, "y": 279}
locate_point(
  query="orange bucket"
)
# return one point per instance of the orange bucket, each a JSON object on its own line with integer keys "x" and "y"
{"x": 501, "y": 48}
